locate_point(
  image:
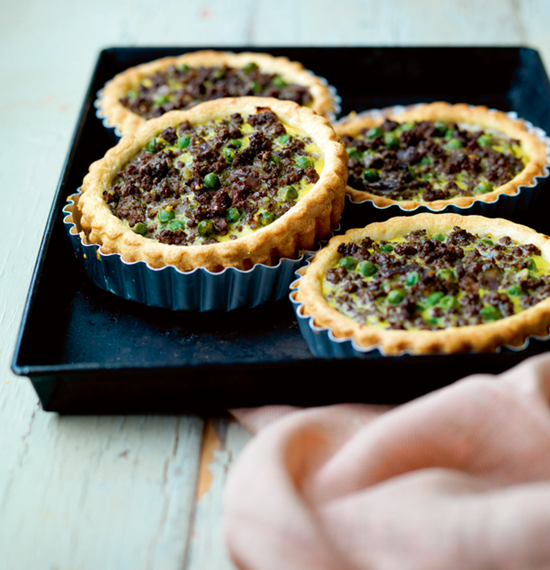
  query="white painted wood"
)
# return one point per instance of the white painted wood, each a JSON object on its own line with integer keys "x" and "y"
{"x": 206, "y": 549}
{"x": 115, "y": 493}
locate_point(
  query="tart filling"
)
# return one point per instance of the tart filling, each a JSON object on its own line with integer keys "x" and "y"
{"x": 217, "y": 181}
{"x": 432, "y": 283}
{"x": 182, "y": 87}
{"x": 178, "y": 83}
{"x": 231, "y": 182}
{"x": 439, "y": 154}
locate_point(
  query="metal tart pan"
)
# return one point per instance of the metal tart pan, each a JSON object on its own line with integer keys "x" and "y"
{"x": 514, "y": 207}
{"x": 198, "y": 290}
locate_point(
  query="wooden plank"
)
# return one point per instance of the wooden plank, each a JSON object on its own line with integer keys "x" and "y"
{"x": 101, "y": 492}
{"x": 223, "y": 442}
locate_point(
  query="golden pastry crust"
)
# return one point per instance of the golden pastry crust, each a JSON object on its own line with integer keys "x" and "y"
{"x": 309, "y": 219}
{"x": 460, "y": 113}
{"x": 511, "y": 330}
{"x": 127, "y": 122}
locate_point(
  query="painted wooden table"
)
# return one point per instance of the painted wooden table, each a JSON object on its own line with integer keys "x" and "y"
{"x": 145, "y": 492}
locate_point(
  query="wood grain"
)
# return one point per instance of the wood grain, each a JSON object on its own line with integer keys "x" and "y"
{"x": 132, "y": 492}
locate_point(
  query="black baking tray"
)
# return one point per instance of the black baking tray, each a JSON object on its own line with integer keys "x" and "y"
{"x": 88, "y": 351}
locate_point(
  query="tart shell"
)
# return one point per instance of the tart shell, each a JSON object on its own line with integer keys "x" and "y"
{"x": 510, "y": 331}
{"x": 116, "y": 115}
{"x": 460, "y": 113}
{"x": 310, "y": 218}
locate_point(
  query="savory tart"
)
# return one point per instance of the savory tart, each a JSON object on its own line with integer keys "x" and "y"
{"x": 432, "y": 283}
{"x": 231, "y": 182}
{"x": 439, "y": 154}
{"x": 149, "y": 90}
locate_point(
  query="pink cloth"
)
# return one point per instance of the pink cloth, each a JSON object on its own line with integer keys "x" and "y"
{"x": 458, "y": 479}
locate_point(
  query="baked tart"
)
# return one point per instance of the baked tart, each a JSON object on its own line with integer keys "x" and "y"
{"x": 229, "y": 183}
{"x": 431, "y": 283}
{"x": 437, "y": 155}
{"x": 149, "y": 90}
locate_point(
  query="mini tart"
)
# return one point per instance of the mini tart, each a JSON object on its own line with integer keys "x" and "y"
{"x": 160, "y": 186}
{"x": 444, "y": 282}
{"x": 438, "y": 155}
{"x": 265, "y": 70}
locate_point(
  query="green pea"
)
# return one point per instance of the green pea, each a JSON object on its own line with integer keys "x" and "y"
{"x": 531, "y": 265}
{"x": 290, "y": 193}
{"x": 447, "y": 274}
{"x": 176, "y": 225}
{"x": 354, "y": 153}
{"x": 440, "y": 237}
{"x": 391, "y": 140}
{"x": 454, "y": 143}
{"x": 233, "y": 215}
{"x": 279, "y": 82}
{"x": 249, "y": 67}
{"x": 219, "y": 74}
{"x": 448, "y": 302}
{"x": 374, "y": 132}
{"x": 387, "y": 247}
{"x": 484, "y": 140}
{"x": 484, "y": 187}
{"x": 256, "y": 87}
{"x": 367, "y": 268}
{"x": 490, "y": 313}
{"x": 396, "y": 296}
{"x": 229, "y": 154}
{"x": 183, "y": 67}
{"x": 441, "y": 128}
{"x": 303, "y": 162}
{"x": 283, "y": 139}
{"x": 140, "y": 228}
{"x": 151, "y": 145}
{"x": 183, "y": 142}
{"x": 212, "y": 181}
{"x": 267, "y": 218}
{"x": 236, "y": 143}
{"x": 371, "y": 175}
{"x": 161, "y": 100}
{"x": 487, "y": 241}
{"x": 407, "y": 126}
{"x": 205, "y": 227}
{"x": 350, "y": 263}
{"x": 166, "y": 215}
{"x": 514, "y": 290}
{"x": 434, "y": 298}
{"x": 412, "y": 279}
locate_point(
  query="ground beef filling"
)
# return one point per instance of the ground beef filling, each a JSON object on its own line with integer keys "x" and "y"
{"x": 196, "y": 185}
{"x": 432, "y": 282}
{"x": 427, "y": 161}
{"x": 183, "y": 87}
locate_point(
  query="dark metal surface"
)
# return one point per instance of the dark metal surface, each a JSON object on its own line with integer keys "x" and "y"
{"x": 87, "y": 351}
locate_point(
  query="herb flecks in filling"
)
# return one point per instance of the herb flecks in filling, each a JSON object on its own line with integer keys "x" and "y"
{"x": 435, "y": 281}
{"x": 195, "y": 185}
{"x": 428, "y": 161}
{"x": 183, "y": 87}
